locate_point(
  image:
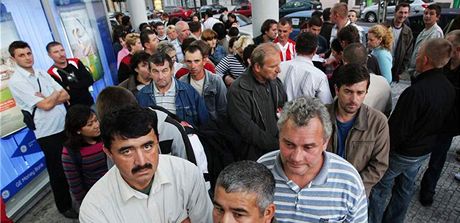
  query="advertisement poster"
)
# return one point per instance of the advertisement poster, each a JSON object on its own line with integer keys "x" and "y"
{"x": 10, "y": 114}
{"x": 81, "y": 38}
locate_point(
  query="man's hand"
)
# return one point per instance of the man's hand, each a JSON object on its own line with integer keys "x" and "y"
{"x": 228, "y": 80}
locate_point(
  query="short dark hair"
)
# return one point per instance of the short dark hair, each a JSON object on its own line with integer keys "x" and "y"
{"x": 349, "y": 34}
{"x": 208, "y": 13}
{"x": 143, "y": 26}
{"x": 125, "y": 20}
{"x": 402, "y": 5}
{"x": 355, "y": 53}
{"x": 283, "y": 21}
{"x": 335, "y": 45}
{"x": 145, "y": 36}
{"x": 160, "y": 59}
{"x": 327, "y": 14}
{"x": 159, "y": 24}
{"x": 315, "y": 21}
{"x": 118, "y": 32}
{"x": 52, "y": 44}
{"x": 350, "y": 74}
{"x": 118, "y": 15}
{"x": 219, "y": 28}
{"x": 112, "y": 98}
{"x": 232, "y": 41}
{"x": 76, "y": 118}
{"x": 127, "y": 122}
{"x": 435, "y": 7}
{"x": 139, "y": 57}
{"x": 317, "y": 13}
{"x": 203, "y": 46}
{"x": 231, "y": 15}
{"x": 186, "y": 43}
{"x": 352, "y": 10}
{"x": 306, "y": 43}
{"x": 266, "y": 25}
{"x": 247, "y": 53}
{"x": 17, "y": 45}
{"x": 249, "y": 177}
{"x": 233, "y": 31}
{"x": 194, "y": 26}
{"x": 195, "y": 47}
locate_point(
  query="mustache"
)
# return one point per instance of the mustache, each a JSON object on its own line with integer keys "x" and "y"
{"x": 139, "y": 168}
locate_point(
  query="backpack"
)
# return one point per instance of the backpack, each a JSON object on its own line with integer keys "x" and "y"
{"x": 218, "y": 143}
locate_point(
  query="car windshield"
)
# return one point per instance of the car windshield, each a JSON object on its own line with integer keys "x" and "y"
{"x": 243, "y": 20}
{"x": 169, "y": 9}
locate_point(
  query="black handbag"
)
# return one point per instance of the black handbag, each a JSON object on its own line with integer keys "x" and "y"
{"x": 28, "y": 117}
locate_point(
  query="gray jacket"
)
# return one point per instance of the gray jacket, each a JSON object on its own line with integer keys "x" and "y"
{"x": 214, "y": 94}
{"x": 403, "y": 52}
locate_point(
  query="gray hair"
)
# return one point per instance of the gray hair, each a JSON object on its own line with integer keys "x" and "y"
{"x": 249, "y": 177}
{"x": 302, "y": 110}
{"x": 165, "y": 47}
{"x": 455, "y": 35}
{"x": 438, "y": 50}
{"x": 261, "y": 51}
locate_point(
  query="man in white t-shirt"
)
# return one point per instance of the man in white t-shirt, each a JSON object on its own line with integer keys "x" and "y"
{"x": 209, "y": 21}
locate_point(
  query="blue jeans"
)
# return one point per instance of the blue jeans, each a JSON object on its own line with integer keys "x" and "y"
{"x": 437, "y": 160}
{"x": 402, "y": 171}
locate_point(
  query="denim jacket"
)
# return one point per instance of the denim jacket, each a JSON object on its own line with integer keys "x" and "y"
{"x": 214, "y": 94}
{"x": 219, "y": 54}
{"x": 190, "y": 107}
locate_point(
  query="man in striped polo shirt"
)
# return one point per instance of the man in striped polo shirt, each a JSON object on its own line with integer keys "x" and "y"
{"x": 312, "y": 185}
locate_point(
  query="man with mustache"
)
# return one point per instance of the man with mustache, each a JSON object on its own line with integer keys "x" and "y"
{"x": 175, "y": 96}
{"x": 71, "y": 74}
{"x": 143, "y": 186}
{"x": 360, "y": 133}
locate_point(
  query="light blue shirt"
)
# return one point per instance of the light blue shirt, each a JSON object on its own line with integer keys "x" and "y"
{"x": 336, "y": 194}
{"x": 385, "y": 61}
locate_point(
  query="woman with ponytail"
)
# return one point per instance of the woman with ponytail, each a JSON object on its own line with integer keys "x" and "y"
{"x": 380, "y": 40}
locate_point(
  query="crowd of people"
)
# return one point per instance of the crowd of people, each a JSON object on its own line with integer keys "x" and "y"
{"x": 207, "y": 125}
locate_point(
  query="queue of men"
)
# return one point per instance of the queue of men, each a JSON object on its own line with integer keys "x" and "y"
{"x": 301, "y": 154}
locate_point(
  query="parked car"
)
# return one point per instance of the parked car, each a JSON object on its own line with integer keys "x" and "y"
{"x": 417, "y": 25}
{"x": 299, "y": 5}
{"x": 216, "y": 9}
{"x": 369, "y": 14}
{"x": 178, "y": 11}
{"x": 297, "y": 18}
{"x": 243, "y": 9}
{"x": 245, "y": 25}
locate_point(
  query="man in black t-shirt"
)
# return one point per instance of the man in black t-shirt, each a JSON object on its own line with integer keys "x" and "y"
{"x": 71, "y": 74}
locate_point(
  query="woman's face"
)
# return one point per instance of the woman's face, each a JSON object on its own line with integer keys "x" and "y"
{"x": 195, "y": 18}
{"x": 91, "y": 129}
{"x": 137, "y": 46}
{"x": 212, "y": 42}
{"x": 373, "y": 41}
